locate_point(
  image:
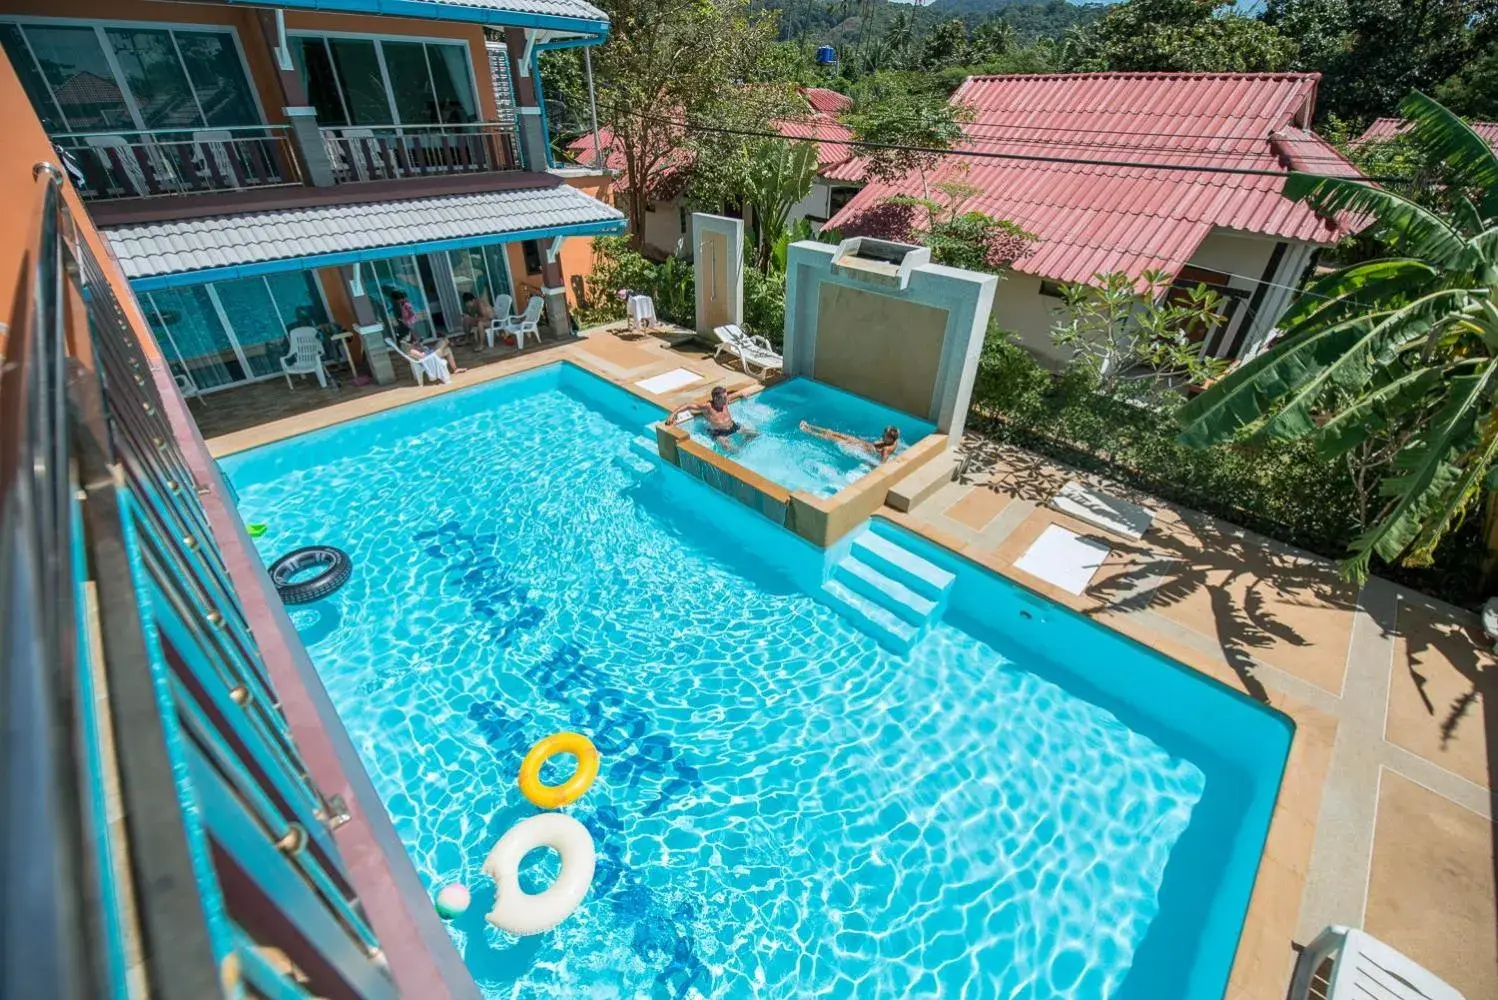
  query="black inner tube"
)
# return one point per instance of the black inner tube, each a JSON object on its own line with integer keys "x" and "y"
{"x": 335, "y": 570}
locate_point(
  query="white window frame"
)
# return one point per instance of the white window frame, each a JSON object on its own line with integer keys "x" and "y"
{"x": 379, "y": 40}
{"x": 99, "y": 26}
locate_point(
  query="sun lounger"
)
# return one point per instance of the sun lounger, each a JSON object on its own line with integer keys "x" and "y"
{"x": 752, "y": 351}
{"x": 428, "y": 366}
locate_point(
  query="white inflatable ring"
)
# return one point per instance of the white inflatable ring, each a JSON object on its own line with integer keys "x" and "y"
{"x": 520, "y": 912}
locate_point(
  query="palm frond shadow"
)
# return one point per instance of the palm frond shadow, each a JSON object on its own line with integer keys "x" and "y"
{"x": 1183, "y": 555}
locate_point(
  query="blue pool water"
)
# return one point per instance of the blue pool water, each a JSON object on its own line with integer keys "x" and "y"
{"x": 781, "y": 452}
{"x": 1025, "y": 806}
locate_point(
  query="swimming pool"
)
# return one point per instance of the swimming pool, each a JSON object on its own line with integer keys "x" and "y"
{"x": 1026, "y": 805}
{"x": 783, "y": 453}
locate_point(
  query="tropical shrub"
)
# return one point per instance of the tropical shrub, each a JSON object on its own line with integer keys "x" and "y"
{"x": 1400, "y": 353}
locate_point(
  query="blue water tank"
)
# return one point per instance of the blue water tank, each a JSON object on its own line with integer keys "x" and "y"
{"x": 826, "y": 55}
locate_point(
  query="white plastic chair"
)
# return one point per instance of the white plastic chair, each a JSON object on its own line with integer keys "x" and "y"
{"x": 1364, "y": 967}
{"x": 752, "y": 351}
{"x": 501, "y": 317}
{"x": 124, "y": 158}
{"x": 527, "y": 322}
{"x": 428, "y": 366}
{"x": 305, "y": 356}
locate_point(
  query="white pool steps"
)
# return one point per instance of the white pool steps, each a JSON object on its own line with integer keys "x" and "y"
{"x": 886, "y": 590}
{"x": 902, "y": 564}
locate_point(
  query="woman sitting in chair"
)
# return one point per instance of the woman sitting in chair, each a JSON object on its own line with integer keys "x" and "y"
{"x": 406, "y": 337}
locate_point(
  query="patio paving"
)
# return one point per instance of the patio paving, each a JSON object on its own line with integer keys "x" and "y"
{"x": 1385, "y": 814}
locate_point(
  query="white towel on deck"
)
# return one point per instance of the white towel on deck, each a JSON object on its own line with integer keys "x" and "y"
{"x": 435, "y": 367}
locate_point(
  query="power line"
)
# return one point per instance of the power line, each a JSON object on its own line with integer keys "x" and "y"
{"x": 994, "y": 155}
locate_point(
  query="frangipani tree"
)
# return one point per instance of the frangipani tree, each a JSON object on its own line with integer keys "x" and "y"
{"x": 1403, "y": 348}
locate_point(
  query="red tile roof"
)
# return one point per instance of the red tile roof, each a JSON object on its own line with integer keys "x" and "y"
{"x": 1092, "y": 218}
{"x": 1384, "y": 129}
{"x": 829, "y": 102}
{"x": 671, "y": 174}
{"x": 835, "y": 159}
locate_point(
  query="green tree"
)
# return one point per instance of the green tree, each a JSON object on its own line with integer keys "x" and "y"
{"x": 914, "y": 130}
{"x": 1473, "y": 90}
{"x": 1123, "y": 332}
{"x": 1403, "y": 349}
{"x": 945, "y": 45}
{"x": 669, "y": 61}
{"x": 1373, "y": 52}
{"x": 779, "y": 175}
{"x": 1177, "y": 36}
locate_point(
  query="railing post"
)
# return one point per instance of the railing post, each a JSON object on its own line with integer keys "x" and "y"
{"x": 533, "y": 143}
{"x": 317, "y": 168}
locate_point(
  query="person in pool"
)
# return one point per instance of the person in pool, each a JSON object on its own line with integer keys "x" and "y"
{"x": 881, "y": 449}
{"x": 721, "y": 425}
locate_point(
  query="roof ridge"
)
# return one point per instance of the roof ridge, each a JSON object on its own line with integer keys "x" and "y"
{"x": 1150, "y": 74}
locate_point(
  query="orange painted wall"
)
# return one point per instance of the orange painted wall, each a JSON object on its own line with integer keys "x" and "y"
{"x": 577, "y": 251}
{"x": 243, "y": 20}
{"x": 26, "y": 144}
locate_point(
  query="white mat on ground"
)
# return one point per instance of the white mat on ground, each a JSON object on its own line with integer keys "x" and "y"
{"x": 667, "y": 381}
{"x": 1105, "y": 510}
{"x": 1063, "y": 558}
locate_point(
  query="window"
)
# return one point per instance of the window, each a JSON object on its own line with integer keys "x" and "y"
{"x": 127, "y": 77}
{"x": 532, "y": 257}
{"x": 1051, "y": 289}
{"x": 383, "y": 82}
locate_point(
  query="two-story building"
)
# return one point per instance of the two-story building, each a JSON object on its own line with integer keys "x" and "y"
{"x": 258, "y": 168}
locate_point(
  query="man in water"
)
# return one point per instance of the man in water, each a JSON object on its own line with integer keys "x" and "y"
{"x": 881, "y": 449}
{"x": 721, "y": 425}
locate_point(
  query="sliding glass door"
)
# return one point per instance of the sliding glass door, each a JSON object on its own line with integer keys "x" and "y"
{"x": 232, "y": 332}
{"x": 124, "y": 77}
{"x": 376, "y": 82}
{"x": 383, "y": 279}
{"x": 484, "y": 271}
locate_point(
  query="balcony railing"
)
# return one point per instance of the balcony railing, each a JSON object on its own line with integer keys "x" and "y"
{"x": 127, "y": 670}
{"x": 176, "y": 161}
{"x": 372, "y": 154}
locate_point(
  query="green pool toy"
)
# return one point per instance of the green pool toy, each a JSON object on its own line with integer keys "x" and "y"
{"x": 256, "y": 530}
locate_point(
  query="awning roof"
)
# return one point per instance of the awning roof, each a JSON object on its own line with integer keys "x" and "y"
{"x": 566, "y": 15}
{"x": 158, "y": 254}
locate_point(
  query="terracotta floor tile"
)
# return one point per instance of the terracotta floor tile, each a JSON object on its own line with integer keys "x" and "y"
{"x": 1443, "y": 692}
{"x": 1431, "y": 891}
{"x": 978, "y": 507}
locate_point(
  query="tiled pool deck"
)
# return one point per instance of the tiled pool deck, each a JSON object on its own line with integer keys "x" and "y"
{"x": 1385, "y": 819}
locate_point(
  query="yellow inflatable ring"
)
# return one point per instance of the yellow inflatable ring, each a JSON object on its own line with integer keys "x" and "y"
{"x": 555, "y": 796}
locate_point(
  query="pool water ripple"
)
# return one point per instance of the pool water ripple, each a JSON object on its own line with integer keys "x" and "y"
{"x": 784, "y": 808}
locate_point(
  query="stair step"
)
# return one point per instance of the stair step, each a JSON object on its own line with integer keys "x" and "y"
{"x": 921, "y": 575}
{"x": 923, "y": 482}
{"x": 645, "y": 446}
{"x": 890, "y": 629}
{"x": 884, "y": 590}
{"x": 630, "y": 460}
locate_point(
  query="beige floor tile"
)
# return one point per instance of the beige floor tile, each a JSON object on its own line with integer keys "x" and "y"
{"x": 1431, "y": 890}
{"x": 1441, "y": 692}
{"x": 978, "y": 507}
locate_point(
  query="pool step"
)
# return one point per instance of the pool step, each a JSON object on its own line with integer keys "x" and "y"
{"x": 637, "y": 458}
{"x": 883, "y": 624}
{"x": 887, "y": 590}
{"x": 894, "y": 560}
{"x": 859, "y": 576}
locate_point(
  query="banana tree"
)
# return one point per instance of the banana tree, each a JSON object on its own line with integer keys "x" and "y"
{"x": 1403, "y": 349}
{"x": 779, "y": 175}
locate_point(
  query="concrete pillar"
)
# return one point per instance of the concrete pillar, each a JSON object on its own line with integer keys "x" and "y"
{"x": 533, "y": 144}
{"x": 306, "y": 137}
{"x": 718, "y": 249}
{"x": 554, "y": 287}
{"x": 370, "y": 330}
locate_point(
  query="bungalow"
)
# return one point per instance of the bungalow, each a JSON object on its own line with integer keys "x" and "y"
{"x": 1136, "y": 172}
{"x": 1385, "y": 129}
{"x": 667, "y": 219}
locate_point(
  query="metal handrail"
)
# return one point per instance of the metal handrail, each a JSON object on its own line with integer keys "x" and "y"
{"x": 125, "y": 133}
{"x": 51, "y": 950}
{"x": 98, "y": 500}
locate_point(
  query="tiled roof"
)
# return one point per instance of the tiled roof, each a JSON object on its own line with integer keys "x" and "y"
{"x": 670, "y": 174}
{"x": 1384, "y": 129}
{"x": 1093, "y": 218}
{"x": 485, "y": 11}
{"x": 154, "y": 249}
{"x": 835, "y": 158}
{"x": 829, "y": 102}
